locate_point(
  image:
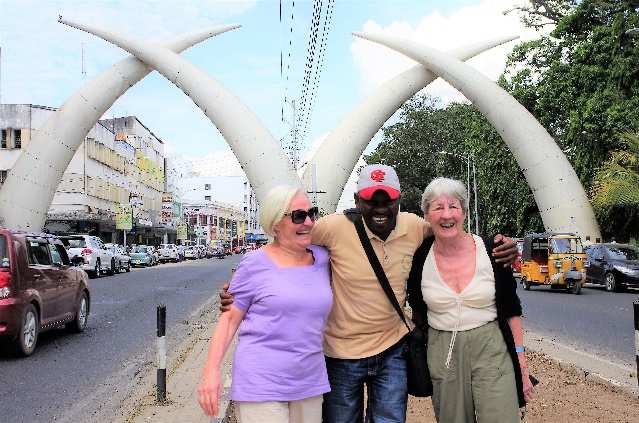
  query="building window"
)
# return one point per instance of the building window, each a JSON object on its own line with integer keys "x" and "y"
{"x": 3, "y": 176}
{"x": 215, "y": 220}
{"x": 207, "y": 187}
{"x": 17, "y": 138}
{"x": 4, "y": 139}
{"x": 207, "y": 198}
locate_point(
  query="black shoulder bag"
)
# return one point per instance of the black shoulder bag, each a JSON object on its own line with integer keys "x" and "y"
{"x": 418, "y": 375}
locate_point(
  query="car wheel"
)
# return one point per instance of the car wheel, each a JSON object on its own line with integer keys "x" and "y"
{"x": 29, "y": 330}
{"x": 611, "y": 282}
{"x": 525, "y": 284}
{"x": 79, "y": 322}
{"x": 97, "y": 272}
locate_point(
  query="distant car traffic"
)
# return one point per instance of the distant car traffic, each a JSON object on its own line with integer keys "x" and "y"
{"x": 121, "y": 258}
{"x": 39, "y": 289}
{"x": 191, "y": 253}
{"x": 96, "y": 257}
{"x": 615, "y": 266}
{"x": 219, "y": 253}
{"x": 142, "y": 256}
{"x": 517, "y": 263}
{"x": 168, "y": 252}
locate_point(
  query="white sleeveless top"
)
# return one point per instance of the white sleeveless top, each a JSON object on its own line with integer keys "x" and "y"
{"x": 470, "y": 309}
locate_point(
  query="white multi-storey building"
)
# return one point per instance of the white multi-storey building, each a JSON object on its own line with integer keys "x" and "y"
{"x": 234, "y": 191}
{"x": 119, "y": 162}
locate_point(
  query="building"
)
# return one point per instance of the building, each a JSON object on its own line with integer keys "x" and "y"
{"x": 233, "y": 192}
{"x": 119, "y": 162}
{"x": 216, "y": 224}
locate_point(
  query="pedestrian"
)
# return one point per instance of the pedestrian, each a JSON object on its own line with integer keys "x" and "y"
{"x": 282, "y": 300}
{"x": 472, "y": 313}
{"x": 364, "y": 337}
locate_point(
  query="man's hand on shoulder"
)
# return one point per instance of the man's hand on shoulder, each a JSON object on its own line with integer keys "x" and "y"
{"x": 505, "y": 250}
{"x": 226, "y": 299}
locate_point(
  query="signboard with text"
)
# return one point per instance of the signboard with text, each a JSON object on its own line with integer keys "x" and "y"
{"x": 123, "y": 217}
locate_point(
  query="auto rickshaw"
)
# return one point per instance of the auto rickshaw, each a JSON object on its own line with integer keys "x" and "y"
{"x": 555, "y": 259}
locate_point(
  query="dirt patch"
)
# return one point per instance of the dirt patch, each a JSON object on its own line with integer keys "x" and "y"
{"x": 563, "y": 395}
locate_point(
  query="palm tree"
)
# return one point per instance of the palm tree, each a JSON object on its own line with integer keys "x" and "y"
{"x": 615, "y": 193}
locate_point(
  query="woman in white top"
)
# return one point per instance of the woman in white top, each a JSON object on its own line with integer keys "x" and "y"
{"x": 475, "y": 346}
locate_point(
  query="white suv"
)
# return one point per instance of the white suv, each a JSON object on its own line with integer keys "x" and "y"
{"x": 168, "y": 252}
{"x": 97, "y": 258}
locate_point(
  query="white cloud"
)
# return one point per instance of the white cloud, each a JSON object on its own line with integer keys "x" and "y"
{"x": 468, "y": 24}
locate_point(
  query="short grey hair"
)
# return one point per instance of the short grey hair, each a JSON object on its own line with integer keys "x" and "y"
{"x": 445, "y": 186}
{"x": 275, "y": 205}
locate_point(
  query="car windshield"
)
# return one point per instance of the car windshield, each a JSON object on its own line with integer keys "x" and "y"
{"x": 74, "y": 242}
{"x": 139, "y": 249}
{"x": 4, "y": 253}
{"x": 624, "y": 253}
{"x": 566, "y": 245}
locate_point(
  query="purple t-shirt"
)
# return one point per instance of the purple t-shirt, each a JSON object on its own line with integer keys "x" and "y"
{"x": 279, "y": 353}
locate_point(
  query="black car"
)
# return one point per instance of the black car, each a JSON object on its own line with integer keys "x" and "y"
{"x": 613, "y": 265}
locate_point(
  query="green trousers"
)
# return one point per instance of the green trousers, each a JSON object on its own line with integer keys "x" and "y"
{"x": 479, "y": 383}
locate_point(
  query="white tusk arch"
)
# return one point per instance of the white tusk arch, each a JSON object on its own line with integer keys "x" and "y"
{"x": 259, "y": 154}
{"x": 44, "y": 159}
{"x": 338, "y": 154}
{"x": 561, "y": 199}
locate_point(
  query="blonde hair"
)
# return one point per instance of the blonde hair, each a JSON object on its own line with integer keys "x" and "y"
{"x": 275, "y": 205}
{"x": 445, "y": 186}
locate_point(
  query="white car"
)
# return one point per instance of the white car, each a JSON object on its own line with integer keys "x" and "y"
{"x": 96, "y": 258}
{"x": 168, "y": 252}
{"x": 122, "y": 260}
{"x": 191, "y": 253}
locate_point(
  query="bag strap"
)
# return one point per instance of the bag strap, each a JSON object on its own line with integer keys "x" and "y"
{"x": 377, "y": 267}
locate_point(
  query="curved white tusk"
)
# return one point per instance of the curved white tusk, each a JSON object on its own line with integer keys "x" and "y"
{"x": 45, "y": 158}
{"x": 561, "y": 199}
{"x": 259, "y": 154}
{"x": 338, "y": 154}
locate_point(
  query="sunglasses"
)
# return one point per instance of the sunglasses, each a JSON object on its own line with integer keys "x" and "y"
{"x": 299, "y": 216}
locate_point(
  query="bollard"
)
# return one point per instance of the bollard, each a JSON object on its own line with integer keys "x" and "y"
{"x": 635, "y": 306}
{"x": 161, "y": 373}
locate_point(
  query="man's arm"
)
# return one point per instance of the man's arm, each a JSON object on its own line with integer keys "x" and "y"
{"x": 505, "y": 250}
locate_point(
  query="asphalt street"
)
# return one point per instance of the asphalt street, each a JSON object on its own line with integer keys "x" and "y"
{"x": 75, "y": 371}
{"x": 597, "y": 322}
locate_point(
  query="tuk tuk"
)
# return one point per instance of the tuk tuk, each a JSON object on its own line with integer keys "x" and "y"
{"x": 555, "y": 259}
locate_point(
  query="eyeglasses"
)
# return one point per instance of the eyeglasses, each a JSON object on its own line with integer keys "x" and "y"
{"x": 299, "y": 216}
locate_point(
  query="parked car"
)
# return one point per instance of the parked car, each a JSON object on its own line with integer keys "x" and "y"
{"x": 97, "y": 258}
{"x": 219, "y": 253}
{"x": 154, "y": 252}
{"x": 122, "y": 259}
{"x": 228, "y": 251}
{"x": 168, "y": 252}
{"x": 141, "y": 256}
{"x": 191, "y": 253}
{"x": 39, "y": 289}
{"x": 180, "y": 249}
{"x": 615, "y": 266}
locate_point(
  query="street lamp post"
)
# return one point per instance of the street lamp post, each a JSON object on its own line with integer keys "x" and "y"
{"x": 470, "y": 162}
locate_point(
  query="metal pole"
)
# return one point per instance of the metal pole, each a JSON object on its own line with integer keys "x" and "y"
{"x": 475, "y": 189}
{"x": 635, "y": 306}
{"x": 468, "y": 187}
{"x": 161, "y": 340}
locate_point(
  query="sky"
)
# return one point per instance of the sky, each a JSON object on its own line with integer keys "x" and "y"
{"x": 42, "y": 59}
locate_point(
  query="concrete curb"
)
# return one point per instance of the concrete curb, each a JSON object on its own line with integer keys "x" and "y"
{"x": 184, "y": 368}
{"x": 620, "y": 377}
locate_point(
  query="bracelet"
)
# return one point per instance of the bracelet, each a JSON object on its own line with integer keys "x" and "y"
{"x": 520, "y": 349}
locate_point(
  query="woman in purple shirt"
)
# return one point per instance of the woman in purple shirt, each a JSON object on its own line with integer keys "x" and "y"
{"x": 282, "y": 300}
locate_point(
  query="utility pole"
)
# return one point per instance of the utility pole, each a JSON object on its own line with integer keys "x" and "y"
{"x": 0, "y": 75}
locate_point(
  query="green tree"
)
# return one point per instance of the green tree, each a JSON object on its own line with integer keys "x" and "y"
{"x": 616, "y": 190}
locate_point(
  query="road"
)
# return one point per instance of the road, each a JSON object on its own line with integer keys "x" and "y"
{"x": 69, "y": 371}
{"x": 598, "y": 322}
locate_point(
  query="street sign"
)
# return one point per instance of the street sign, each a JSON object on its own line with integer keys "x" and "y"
{"x": 181, "y": 231}
{"x": 123, "y": 217}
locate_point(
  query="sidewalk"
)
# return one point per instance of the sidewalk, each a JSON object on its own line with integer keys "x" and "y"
{"x": 604, "y": 392}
